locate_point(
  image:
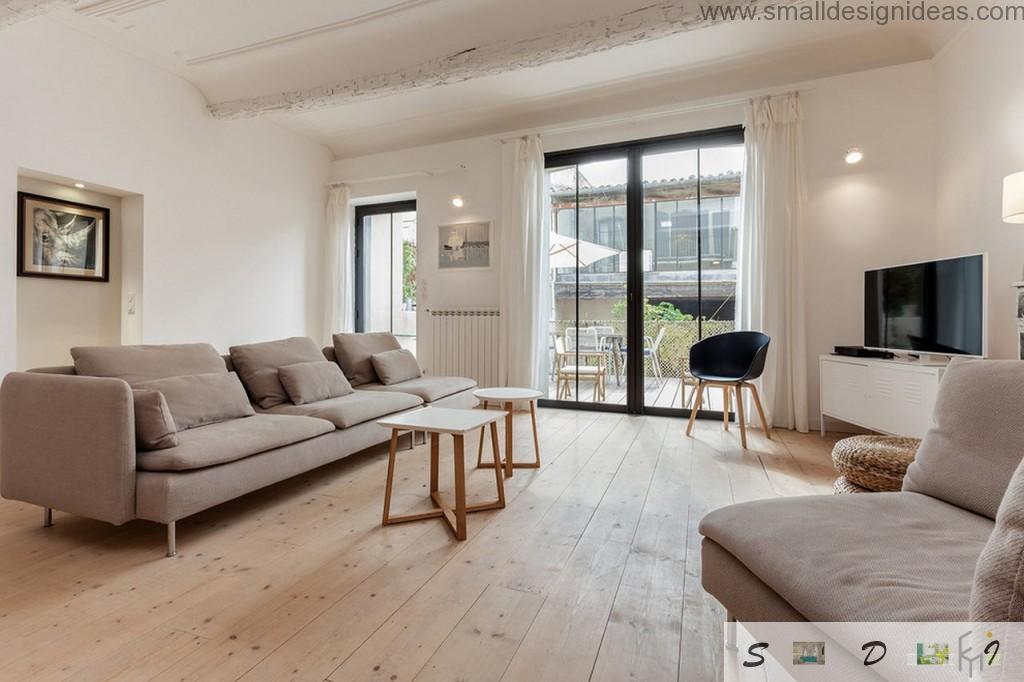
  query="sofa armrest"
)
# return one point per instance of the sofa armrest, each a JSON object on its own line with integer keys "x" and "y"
{"x": 68, "y": 442}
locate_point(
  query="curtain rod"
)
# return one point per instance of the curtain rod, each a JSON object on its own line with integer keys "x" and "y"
{"x": 652, "y": 115}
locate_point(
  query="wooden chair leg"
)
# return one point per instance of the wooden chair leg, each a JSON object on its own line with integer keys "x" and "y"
{"x": 695, "y": 409}
{"x": 391, "y": 477}
{"x": 760, "y": 410}
{"x": 480, "y": 450}
{"x": 740, "y": 416}
{"x": 725, "y": 408}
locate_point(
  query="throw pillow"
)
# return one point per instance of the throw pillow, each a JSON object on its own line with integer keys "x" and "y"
{"x": 997, "y": 595}
{"x": 396, "y": 366}
{"x": 310, "y": 382}
{"x": 354, "y": 352}
{"x": 257, "y": 365}
{"x": 154, "y": 425}
{"x": 145, "y": 363}
{"x": 201, "y": 399}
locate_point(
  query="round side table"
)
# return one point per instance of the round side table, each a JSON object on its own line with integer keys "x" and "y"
{"x": 506, "y": 397}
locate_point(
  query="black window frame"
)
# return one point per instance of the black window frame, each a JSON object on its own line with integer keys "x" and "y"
{"x": 634, "y": 151}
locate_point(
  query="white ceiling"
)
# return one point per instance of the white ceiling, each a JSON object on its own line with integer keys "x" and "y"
{"x": 251, "y": 50}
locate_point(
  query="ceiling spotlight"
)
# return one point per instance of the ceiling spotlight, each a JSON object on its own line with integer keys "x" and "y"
{"x": 854, "y": 155}
{"x": 458, "y": 202}
{"x": 79, "y": 185}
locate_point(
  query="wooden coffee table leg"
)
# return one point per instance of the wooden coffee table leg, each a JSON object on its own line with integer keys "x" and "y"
{"x": 499, "y": 476}
{"x": 508, "y": 439}
{"x": 460, "y": 487}
{"x": 480, "y": 450}
{"x": 435, "y": 449}
{"x": 536, "y": 439}
{"x": 391, "y": 476}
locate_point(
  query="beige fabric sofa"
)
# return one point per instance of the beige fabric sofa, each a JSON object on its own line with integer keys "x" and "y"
{"x": 68, "y": 440}
{"x": 914, "y": 555}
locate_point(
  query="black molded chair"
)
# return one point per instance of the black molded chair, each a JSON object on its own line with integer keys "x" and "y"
{"x": 730, "y": 361}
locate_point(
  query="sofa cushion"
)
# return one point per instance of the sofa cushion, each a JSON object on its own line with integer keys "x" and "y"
{"x": 154, "y": 425}
{"x": 308, "y": 382}
{"x": 354, "y": 353}
{"x": 876, "y": 557}
{"x": 998, "y": 592}
{"x": 257, "y": 364}
{"x": 427, "y": 388}
{"x": 202, "y": 399}
{"x": 968, "y": 457}
{"x": 355, "y": 408}
{"x": 144, "y": 363}
{"x": 232, "y": 440}
{"x": 394, "y": 366}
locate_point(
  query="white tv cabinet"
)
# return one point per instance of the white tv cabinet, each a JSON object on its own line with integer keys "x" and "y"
{"x": 890, "y": 396}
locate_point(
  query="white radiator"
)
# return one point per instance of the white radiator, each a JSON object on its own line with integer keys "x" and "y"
{"x": 465, "y": 344}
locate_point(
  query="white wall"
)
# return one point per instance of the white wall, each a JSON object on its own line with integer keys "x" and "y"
{"x": 433, "y": 175}
{"x": 55, "y": 314}
{"x": 877, "y": 213}
{"x": 980, "y": 92}
{"x": 233, "y": 210}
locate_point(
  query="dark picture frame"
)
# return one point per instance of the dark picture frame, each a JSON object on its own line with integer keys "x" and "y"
{"x": 76, "y": 249}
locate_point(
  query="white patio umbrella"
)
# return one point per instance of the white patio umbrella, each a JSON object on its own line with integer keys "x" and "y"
{"x": 566, "y": 252}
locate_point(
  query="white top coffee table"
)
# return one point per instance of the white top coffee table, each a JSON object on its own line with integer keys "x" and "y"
{"x": 507, "y": 397}
{"x": 457, "y": 423}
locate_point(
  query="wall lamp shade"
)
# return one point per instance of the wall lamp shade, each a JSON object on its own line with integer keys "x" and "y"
{"x": 1013, "y": 198}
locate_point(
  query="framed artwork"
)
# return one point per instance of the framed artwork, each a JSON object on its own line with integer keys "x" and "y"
{"x": 464, "y": 246}
{"x": 62, "y": 239}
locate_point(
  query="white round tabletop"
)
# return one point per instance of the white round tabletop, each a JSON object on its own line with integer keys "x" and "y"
{"x": 507, "y": 393}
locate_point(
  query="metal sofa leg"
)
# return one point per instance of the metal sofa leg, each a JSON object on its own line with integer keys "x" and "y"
{"x": 172, "y": 547}
{"x": 730, "y": 632}
{"x": 47, "y": 517}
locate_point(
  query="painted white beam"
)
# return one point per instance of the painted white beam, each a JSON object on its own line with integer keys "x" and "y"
{"x": 16, "y": 11}
{"x": 658, "y": 20}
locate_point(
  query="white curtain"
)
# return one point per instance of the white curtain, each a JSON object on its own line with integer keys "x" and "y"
{"x": 523, "y": 355}
{"x": 339, "y": 313}
{"x": 770, "y": 292}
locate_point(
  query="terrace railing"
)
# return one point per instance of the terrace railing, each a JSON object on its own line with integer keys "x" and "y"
{"x": 674, "y": 352}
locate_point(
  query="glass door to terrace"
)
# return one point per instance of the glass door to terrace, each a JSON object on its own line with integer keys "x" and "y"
{"x": 644, "y": 240}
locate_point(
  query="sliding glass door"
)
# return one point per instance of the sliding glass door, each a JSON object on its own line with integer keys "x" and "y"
{"x": 385, "y": 277}
{"x": 643, "y": 265}
{"x": 588, "y": 335}
{"x": 691, "y": 230}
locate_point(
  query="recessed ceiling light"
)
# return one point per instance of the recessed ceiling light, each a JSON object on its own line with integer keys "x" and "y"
{"x": 458, "y": 202}
{"x": 854, "y": 155}
{"x": 79, "y": 185}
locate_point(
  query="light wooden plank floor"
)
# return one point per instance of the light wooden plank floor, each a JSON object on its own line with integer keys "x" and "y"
{"x": 591, "y": 572}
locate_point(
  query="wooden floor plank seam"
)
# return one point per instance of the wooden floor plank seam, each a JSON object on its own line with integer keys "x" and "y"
{"x": 631, "y": 543}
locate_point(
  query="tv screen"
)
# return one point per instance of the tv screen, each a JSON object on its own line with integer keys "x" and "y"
{"x": 934, "y": 307}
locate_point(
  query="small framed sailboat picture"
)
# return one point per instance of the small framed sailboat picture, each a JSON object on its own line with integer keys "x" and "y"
{"x": 464, "y": 246}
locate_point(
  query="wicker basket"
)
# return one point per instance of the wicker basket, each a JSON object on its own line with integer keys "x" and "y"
{"x": 877, "y": 463}
{"x": 844, "y": 486}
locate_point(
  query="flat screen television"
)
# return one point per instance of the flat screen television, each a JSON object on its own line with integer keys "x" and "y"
{"x": 935, "y": 307}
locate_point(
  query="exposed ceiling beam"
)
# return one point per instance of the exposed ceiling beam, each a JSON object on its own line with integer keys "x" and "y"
{"x": 16, "y": 11}
{"x": 658, "y": 20}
